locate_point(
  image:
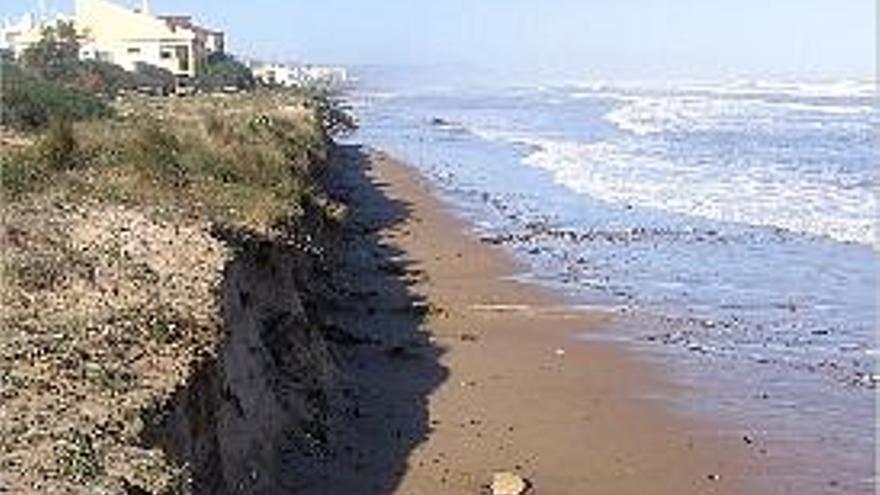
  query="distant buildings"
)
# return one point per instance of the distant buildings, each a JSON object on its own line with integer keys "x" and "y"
{"x": 13, "y": 32}
{"x": 208, "y": 41}
{"x": 289, "y": 75}
{"x": 129, "y": 37}
{"x": 18, "y": 34}
{"x": 126, "y": 37}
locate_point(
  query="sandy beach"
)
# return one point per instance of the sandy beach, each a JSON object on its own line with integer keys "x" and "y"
{"x": 489, "y": 377}
{"x": 518, "y": 248}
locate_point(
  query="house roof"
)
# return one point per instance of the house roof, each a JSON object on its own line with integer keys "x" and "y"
{"x": 102, "y": 19}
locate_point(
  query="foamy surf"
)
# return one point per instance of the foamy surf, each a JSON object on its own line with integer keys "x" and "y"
{"x": 778, "y": 158}
{"x": 770, "y": 198}
{"x": 726, "y": 228}
{"x": 743, "y": 212}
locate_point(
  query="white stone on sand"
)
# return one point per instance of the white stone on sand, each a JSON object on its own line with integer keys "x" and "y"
{"x": 508, "y": 484}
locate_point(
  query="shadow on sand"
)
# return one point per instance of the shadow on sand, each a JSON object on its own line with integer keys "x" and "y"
{"x": 387, "y": 364}
{"x": 328, "y": 360}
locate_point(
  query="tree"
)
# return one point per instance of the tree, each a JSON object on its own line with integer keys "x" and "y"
{"x": 222, "y": 71}
{"x": 56, "y": 55}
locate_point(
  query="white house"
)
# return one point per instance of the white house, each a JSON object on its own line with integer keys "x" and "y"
{"x": 124, "y": 36}
{"x": 12, "y": 31}
{"x": 128, "y": 37}
{"x": 18, "y": 34}
{"x": 208, "y": 40}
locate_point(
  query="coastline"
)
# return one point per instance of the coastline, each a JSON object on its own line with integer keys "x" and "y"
{"x": 518, "y": 392}
{"x": 766, "y": 332}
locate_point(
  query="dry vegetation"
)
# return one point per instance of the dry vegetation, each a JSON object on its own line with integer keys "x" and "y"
{"x": 247, "y": 160}
{"x": 111, "y": 271}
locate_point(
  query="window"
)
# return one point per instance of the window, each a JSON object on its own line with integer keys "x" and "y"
{"x": 165, "y": 55}
{"x": 182, "y": 53}
{"x": 134, "y": 50}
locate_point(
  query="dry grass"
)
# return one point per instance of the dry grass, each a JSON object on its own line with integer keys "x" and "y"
{"x": 247, "y": 160}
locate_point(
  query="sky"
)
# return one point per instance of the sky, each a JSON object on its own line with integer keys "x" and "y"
{"x": 552, "y": 39}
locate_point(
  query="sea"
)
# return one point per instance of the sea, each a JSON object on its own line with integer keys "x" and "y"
{"x": 732, "y": 226}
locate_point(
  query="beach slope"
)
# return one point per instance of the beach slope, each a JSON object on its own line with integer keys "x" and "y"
{"x": 488, "y": 377}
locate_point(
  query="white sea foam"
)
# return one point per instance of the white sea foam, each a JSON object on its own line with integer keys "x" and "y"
{"x": 652, "y": 107}
{"x": 824, "y": 89}
{"x": 614, "y": 173}
{"x": 582, "y": 95}
{"x": 633, "y": 168}
{"x": 609, "y": 172}
{"x": 643, "y": 115}
{"x": 846, "y": 88}
{"x": 829, "y": 109}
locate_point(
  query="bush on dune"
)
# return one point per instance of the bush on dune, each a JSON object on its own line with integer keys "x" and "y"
{"x": 337, "y": 118}
{"x": 29, "y": 102}
{"x": 249, "y": 160}
{"x": 155, "y": 80}
{"x": 221, "y": 72}
{"x": 110, "y": 80}
{"x": 96, "y": 77}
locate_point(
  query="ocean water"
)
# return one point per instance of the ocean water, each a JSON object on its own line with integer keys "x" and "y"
{"x": 734, "y": 224}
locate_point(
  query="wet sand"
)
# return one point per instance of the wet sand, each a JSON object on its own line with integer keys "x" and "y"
{"x": 490, "y": 377}
{"x": 452, "y": 370}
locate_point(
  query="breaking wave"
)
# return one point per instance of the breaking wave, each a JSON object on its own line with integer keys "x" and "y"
{"x": 609, "y": 172}
{"x": 792, "y": 156}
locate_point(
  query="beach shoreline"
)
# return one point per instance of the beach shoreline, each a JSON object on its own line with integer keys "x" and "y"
{"x": 520, "y": 392}
{"x": 765, "y": 327}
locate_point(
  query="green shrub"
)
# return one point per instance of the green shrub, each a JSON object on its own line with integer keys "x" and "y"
{"x": 222, "y": 71}
{"x": 154, "y": 79}
{"x": 99, "y": 78}
{"x": 336, "y": 117}
{"x": 28, "y": 102}
{"x": 103, "y": 78}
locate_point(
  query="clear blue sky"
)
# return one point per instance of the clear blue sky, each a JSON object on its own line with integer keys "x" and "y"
{"x": 553, "y": 38}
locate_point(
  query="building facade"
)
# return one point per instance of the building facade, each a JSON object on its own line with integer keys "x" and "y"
{"x": 126, "y": 37}
{"x": 12, "y": 32}
{"x": 19, "y": 34}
